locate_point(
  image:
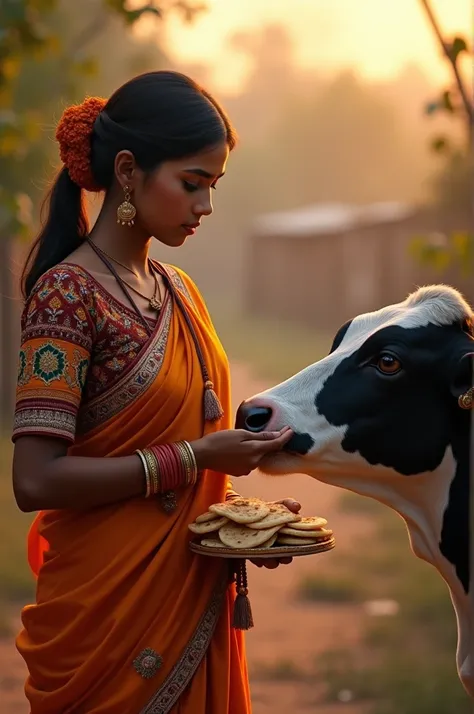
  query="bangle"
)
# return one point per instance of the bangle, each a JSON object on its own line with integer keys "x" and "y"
{"x": 188, "y": 460}
{"x": 154, "y": 470}
{"x": 146, "y": 471}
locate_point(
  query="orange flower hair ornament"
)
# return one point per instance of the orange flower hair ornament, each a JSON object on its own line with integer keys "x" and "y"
{"x": 73, "y": 134}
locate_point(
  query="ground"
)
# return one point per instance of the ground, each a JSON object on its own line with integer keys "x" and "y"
{"x": 287, "y": 634}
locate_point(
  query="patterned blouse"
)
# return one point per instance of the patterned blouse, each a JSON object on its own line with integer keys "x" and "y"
{"x": 76, "y": 341}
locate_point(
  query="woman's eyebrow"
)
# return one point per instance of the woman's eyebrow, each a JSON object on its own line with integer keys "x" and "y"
{"x": 204, "y": 174}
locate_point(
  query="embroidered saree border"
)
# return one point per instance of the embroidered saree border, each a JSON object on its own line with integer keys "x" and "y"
{"x": 180, "y": 676}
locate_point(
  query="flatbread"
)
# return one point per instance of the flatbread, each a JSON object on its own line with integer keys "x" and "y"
{"x": 295, "y": 533}
{"x": 278, "y": 516}
{"x": 242, "y": 510}
{"x": 205, "y": 517}
{"x": 268, "y": 543}
{"x": 309, "y": 523}
{"x": 212, "y": 543}
{"x": 235, "y": 536}
{"x": 289, "y": 540}
{"x": 208, "y": 526}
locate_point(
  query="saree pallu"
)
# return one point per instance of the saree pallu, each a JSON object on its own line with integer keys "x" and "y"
{"x": 127, "y": 620}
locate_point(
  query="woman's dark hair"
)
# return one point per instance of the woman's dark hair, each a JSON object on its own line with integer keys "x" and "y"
{"x": 158, "y": 116}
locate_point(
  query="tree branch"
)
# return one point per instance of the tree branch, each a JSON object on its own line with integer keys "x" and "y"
{"x": 452, "y": 60}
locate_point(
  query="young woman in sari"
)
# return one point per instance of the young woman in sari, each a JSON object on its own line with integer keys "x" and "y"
{"x": 123, "y": 420}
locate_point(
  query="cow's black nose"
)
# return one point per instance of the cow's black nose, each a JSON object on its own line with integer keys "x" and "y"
{"x": 253, "y": 418}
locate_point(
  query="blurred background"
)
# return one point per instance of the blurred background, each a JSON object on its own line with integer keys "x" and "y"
{"x": 351, "y": 186}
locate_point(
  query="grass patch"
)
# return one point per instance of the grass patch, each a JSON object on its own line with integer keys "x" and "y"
{"x": 330, "y": 589}
{"x": 282, "y": 670}
{"x": 275, "y": 350}
{"x": 414, "y": 650}
{"x": 401, "y": 684}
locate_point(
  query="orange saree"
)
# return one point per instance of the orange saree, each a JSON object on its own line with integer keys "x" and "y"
{"x": 127, "y": 620}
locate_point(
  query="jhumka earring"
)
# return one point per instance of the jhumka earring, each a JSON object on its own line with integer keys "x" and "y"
{"x": 466, "y": 400}
{"x": 126, "y": 212}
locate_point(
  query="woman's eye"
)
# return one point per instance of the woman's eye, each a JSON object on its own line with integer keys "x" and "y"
{"x": 190, "y": 187}
{"x": 387, "y": 364}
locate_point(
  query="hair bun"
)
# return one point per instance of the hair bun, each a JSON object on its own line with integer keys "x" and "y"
{"x": 74, "y": 133}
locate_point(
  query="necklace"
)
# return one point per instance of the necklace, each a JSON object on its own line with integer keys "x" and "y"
{"x": 122, "y": 265}
{"x": 154, "y": 301}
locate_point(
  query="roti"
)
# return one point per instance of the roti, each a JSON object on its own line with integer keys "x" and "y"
{"x": 278, "y": 516}
{"x": 310, "y": 523}
{"x": 268, "y": 543}
{"x": 242, "y": 510}
{"x": 235, "y": 536}
{"x": 208, "y": 526}
{"x": 212, "y": 543}
{"x": 205, "y": 517}
{"x": 289, "y": 540}
{"x": 315, "y": 534}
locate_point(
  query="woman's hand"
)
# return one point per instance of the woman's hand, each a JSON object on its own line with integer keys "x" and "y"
{"x": 272, "y": 563}
{"x": 237, "y": 452}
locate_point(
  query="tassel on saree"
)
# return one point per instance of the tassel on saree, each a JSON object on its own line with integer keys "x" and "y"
{"x": 212, "y": 407}
{"x": 242, "y": 617}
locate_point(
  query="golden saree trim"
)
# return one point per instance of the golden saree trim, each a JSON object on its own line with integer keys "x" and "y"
{"x": 180, "y": 676}
{"x": 133, "y": 383}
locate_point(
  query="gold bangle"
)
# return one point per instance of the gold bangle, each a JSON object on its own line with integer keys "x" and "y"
{"x": 153, "y": 467}
{"x": 189, "y": 461}
{"x": 147, "y": 473}
{"x": 193, "y": 461}
{"x": 185, "y": 460}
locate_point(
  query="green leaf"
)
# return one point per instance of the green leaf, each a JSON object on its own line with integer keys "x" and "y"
{"x": 88, "y": 67}
{"x": 431, "y": 108}
{"x": 457, "y": 46}
{"x": 446, "y": 102}
{"x": 440, "y": 144}
{"x": 132, "y": 16}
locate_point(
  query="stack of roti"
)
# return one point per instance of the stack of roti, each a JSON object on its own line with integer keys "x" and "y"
{"x": 245, "y": 523}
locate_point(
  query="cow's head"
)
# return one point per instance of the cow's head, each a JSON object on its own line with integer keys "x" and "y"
{"x": 383, "y": 414}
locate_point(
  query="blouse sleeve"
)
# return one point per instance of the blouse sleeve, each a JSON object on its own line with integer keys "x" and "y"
{"x": 57, "y": 336}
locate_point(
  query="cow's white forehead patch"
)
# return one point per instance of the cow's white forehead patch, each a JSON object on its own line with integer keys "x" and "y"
{"x": 431, "y": 305}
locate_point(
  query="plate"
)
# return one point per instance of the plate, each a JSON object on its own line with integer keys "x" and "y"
{"x": 276, "y": 551}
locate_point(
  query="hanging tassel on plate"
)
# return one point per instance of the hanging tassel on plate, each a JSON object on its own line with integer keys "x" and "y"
{"x": 242, "y": 617}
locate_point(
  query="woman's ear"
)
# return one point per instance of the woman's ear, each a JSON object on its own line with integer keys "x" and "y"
{"x": 125, "y": 168}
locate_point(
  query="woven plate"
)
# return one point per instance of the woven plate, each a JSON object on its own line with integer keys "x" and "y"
{"x": 276, "y": 551}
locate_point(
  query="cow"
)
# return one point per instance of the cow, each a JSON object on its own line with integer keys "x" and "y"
{"x": 387, "y": 414}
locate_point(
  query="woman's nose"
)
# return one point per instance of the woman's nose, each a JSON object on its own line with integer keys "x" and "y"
{"x": 203, "y": 209}
{"x": 253, "y": 417}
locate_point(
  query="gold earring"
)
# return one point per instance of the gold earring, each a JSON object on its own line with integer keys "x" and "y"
{"x": 466, "y": 400}
{"x": 126, "y": 212}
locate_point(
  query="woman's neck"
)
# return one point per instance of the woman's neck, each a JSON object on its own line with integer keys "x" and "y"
{"x": 126, "y": 244}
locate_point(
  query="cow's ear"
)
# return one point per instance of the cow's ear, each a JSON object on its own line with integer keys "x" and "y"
{"x": 462, "y": 374}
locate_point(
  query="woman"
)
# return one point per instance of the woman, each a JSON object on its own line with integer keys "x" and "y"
{"x": 123, "y": 425}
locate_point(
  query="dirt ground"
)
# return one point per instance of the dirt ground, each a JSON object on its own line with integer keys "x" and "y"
{"x": 284, "y": 629}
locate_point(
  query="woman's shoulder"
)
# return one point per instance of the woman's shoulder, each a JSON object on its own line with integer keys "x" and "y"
{"x": 67, "y": 281}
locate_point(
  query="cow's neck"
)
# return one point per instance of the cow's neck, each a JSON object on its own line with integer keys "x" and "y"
{"x": 421, "y": 501}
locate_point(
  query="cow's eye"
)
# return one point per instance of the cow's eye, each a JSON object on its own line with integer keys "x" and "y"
{"x": 388, "y": 364}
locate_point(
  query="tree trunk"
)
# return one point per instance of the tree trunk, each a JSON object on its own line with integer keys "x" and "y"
{"x": 7, "y": 336}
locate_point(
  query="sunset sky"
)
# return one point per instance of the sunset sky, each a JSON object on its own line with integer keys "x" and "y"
{"x": 377, "y": 37}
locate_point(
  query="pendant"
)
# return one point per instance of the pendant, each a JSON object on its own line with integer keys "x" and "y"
{"x": 155, "y": 304}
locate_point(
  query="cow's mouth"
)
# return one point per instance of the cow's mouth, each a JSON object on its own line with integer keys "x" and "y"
{"x": 299, "y": 445}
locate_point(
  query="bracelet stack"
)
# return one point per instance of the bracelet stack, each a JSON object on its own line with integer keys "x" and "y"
{"x": 168, "y": 467}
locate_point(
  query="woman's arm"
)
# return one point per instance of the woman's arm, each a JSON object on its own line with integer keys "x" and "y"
{"x": 45, "y": 478}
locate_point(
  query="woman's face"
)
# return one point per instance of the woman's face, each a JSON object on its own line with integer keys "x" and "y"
{"x": 172, "y": 201}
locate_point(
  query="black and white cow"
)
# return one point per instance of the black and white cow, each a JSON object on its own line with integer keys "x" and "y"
{"x": 387, "y": 414}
